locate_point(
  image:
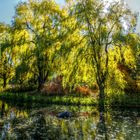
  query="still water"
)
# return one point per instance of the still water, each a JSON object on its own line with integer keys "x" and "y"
{"x": 20, "y": 121}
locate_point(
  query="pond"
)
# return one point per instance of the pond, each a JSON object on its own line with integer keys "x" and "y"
{"x": 21, "y": 121}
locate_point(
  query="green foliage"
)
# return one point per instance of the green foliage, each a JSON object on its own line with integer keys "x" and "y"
{"x": 6, "y": 55}
{"x": 86, "y": 42}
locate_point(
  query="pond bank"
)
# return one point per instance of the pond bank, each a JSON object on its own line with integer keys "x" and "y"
{"x": 112, "y": 101}
{"x": 58, "y": 100}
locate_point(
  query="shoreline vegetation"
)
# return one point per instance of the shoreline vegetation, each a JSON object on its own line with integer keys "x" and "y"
{"x": 122, "y": 100}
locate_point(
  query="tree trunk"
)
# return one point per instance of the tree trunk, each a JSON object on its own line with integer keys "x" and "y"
{"x": 4, "y": 81}
{"x": 42, "y": 77}
{"x": 101, "y": 97}
{"x": 40, "y": 82}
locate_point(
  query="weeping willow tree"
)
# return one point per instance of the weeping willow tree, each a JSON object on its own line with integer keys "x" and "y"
{"x": 126, "y": 55}
{"x": 41, "y": 20}
{"x": 99, "y": 26}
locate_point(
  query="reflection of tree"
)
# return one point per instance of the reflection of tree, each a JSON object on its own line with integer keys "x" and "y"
{"x": 19, "y": 109}
{"x": 86, "y": 123}
{"x": 2, "y": 109}
{"x": 101, "y": 126}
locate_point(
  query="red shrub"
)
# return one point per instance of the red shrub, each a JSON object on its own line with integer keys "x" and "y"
{"x": 84, "y": 90}
{"x": 52, "y": 88}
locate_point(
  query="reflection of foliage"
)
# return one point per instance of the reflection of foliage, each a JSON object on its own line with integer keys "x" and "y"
{"x": 50, "y": 127}
{"x": 84, "y": 124}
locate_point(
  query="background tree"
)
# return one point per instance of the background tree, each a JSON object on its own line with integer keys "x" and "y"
{"x": 6, "y": 56}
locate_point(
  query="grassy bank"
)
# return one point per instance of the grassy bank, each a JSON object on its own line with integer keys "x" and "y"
{"x": 60, "y": 100}
{"x": 119, "y": 100}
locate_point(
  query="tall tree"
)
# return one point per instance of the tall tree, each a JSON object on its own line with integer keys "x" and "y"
{"x": 41, "y": 19}
{"x": 99, "y": 23}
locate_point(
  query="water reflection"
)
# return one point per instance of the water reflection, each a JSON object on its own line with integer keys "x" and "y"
{"x": 32, "y": 121}
{"x": 2, "y": 109}
{"x": 101, "y": 126}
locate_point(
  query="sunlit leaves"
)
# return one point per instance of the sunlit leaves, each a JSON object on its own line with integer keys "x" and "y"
{"x": 84, "y": 41}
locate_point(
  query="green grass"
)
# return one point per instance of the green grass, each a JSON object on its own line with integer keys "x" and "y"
{"x": 60, "y": 100}
{"x": 115, "y": 100}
